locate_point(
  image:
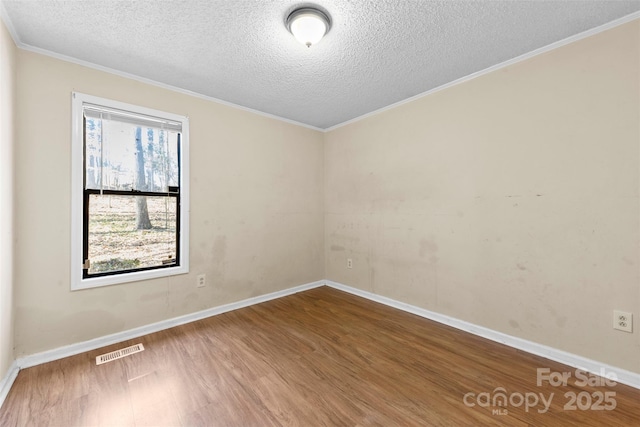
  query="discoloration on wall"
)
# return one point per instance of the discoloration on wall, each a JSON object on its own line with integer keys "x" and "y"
{"x": 256, "y": 201}
{"x": 153, "y": 297}
{"x": 220, "y": 248}
{"x": 427, "y": 247}
{"x": 510, "y": 201}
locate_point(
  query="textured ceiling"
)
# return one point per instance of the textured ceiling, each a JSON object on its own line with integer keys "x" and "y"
{"x": 378, "y": 52}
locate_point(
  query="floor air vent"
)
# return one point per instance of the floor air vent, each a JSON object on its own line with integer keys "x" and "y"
{"x": 119, "y": 354}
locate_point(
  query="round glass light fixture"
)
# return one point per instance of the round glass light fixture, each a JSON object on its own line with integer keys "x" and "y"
{"x": 308, "y": 25}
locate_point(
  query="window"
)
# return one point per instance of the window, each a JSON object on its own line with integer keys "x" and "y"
{"x": 130, "y": 216}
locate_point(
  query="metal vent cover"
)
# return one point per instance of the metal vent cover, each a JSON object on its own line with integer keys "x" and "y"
{"x": 118, "y": 354}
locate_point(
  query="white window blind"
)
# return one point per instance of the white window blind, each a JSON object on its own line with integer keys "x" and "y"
{"x": 100, "y": 112}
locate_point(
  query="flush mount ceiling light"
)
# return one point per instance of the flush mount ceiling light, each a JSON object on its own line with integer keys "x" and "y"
{"x": 308, "y": 25}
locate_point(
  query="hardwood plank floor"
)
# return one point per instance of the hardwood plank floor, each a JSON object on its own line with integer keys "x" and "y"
{"x": 317, "y": 358}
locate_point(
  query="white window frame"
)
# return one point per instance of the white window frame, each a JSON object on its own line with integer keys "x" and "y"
{"x": 77, "y": 192}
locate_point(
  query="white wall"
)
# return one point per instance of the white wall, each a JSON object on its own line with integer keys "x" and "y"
{"x": 256, "y": 209}
{"x": 509, "y": 201}
{"x": 7, "y": 136}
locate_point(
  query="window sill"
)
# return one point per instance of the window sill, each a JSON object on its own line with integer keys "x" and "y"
{"x": 96, "y": 282}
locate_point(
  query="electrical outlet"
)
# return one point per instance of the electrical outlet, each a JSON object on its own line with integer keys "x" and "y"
{"x": 349, "y": 263}
{"x": 201, "y": 281}
{"x": 622, "y": 321}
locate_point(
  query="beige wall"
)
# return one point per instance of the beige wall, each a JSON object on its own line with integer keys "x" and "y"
{"x": 7, "y": 105}
{"x": 256, "y": 209}
{"x": 509, "y": 201}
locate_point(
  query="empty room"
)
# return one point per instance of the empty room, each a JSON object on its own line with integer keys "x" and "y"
{"x": 327, "y": 213}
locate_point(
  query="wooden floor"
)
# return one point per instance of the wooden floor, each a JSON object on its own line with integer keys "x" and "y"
{"x": 321, "y": 357}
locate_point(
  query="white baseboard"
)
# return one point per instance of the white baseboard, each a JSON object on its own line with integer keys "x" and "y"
{"x": 7, "y": 381}
{"x": 81, "y": 347}
{"x": 623, "y": 376}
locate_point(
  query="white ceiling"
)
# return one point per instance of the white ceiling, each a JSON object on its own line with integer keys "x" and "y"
{"x": 377, "y": 53}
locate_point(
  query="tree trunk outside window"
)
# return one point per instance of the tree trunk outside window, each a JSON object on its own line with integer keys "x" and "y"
{"x": 142, "y": 213}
